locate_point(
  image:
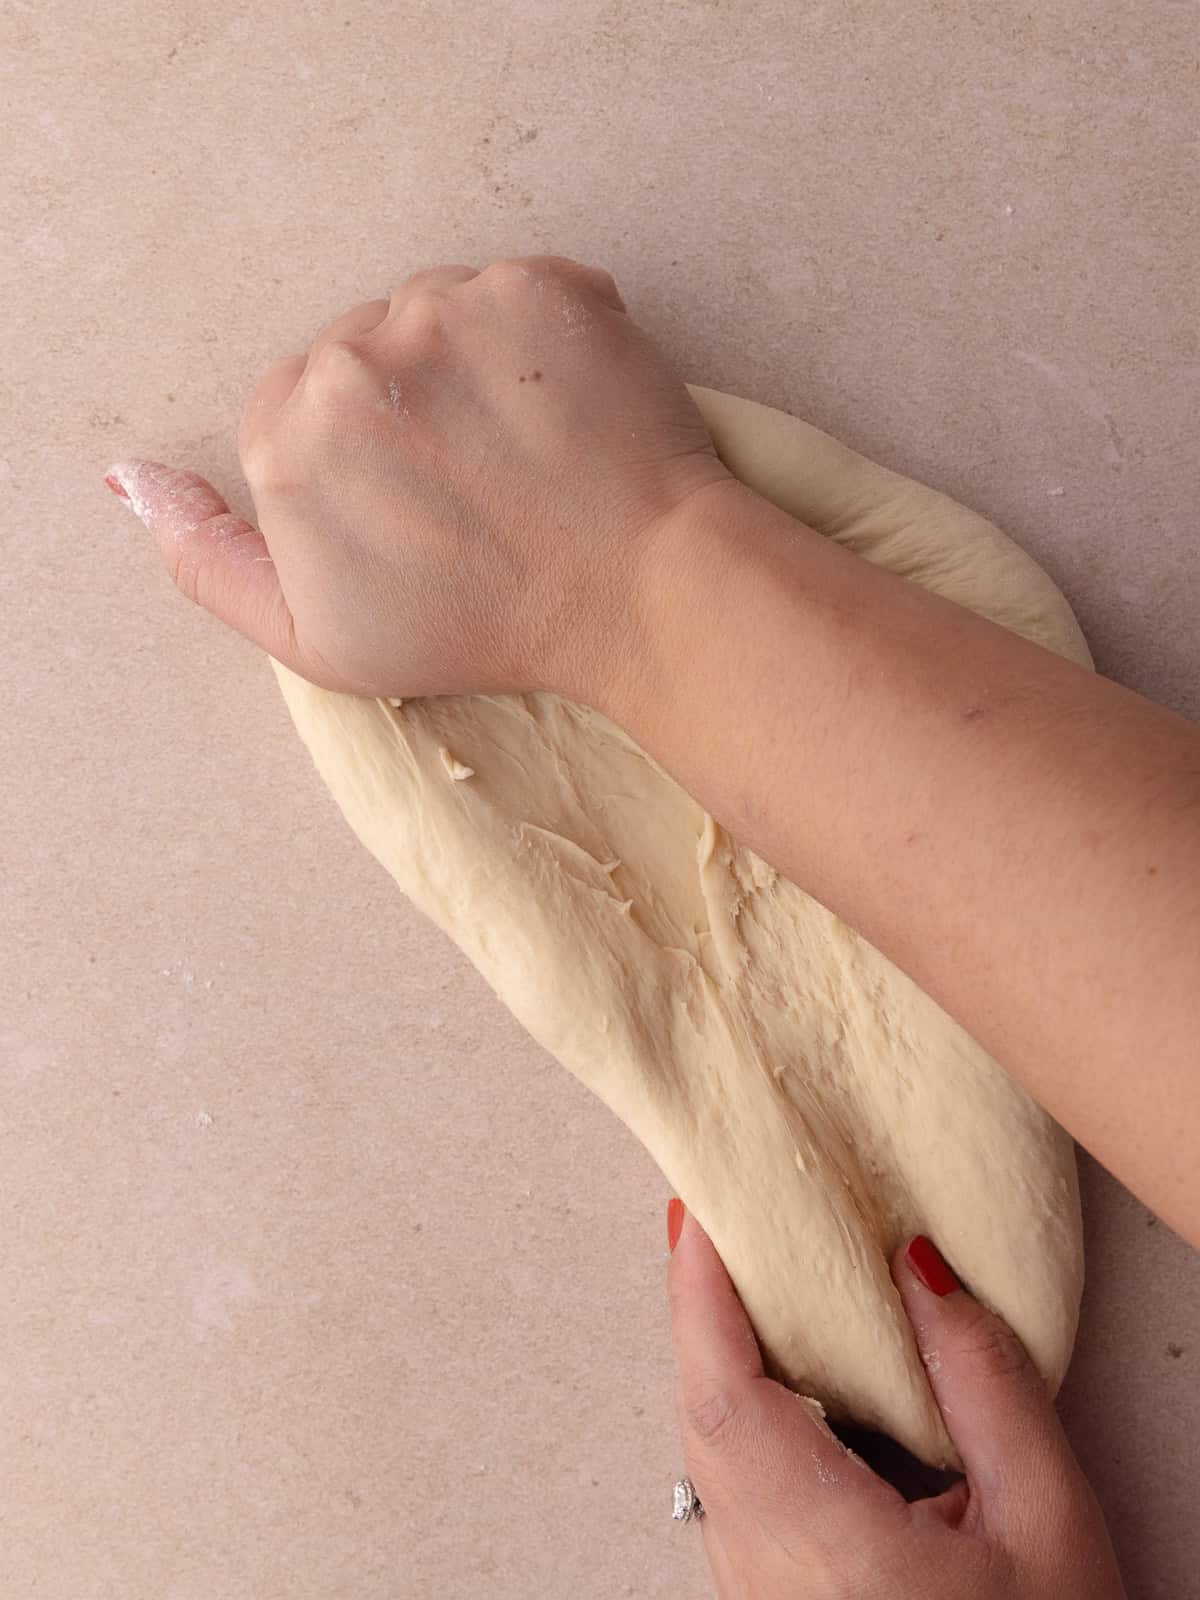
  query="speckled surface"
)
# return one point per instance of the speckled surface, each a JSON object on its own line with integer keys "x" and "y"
{"x": 320, "y": 1279}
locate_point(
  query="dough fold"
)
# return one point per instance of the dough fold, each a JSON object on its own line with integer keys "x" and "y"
{"x": 807, "y": 1101}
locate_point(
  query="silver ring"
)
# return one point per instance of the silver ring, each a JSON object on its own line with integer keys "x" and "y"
{"x": 687, "y": 1507}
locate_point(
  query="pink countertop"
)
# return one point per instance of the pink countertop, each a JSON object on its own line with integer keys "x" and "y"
{"x": 320, "y": 1279}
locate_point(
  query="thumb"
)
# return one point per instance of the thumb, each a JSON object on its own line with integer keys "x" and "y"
{"x": 764, "y": 1463}
{"x": 215, "y": 558}
{"x": 996, "y": 1406}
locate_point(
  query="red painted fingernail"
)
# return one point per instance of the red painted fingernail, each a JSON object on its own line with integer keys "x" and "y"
{"x": 116, "y": 487}
{"x": 928, "y": 1263}
{"x": 674, "y": 1221}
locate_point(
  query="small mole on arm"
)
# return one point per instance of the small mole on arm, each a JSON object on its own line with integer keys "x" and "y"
{"x": 972, "y": 713}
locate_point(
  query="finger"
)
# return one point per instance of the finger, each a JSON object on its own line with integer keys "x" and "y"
{"x": 274, "y": 390}
{"x": 215, "y": 558}
{"x": 995, "y": 1404}
{"x": 752, "y": 1447}
{"x": 546, "y": 269}
{"x": 594, "y": 279}
{"x": 356, "y": 323}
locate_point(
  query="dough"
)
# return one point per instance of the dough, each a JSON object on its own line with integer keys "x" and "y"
{"x": 810, "y": 1105}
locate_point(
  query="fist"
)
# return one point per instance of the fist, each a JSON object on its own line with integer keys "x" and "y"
{"x": 457, "y": 488}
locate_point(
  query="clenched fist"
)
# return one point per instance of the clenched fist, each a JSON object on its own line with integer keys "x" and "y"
{"x": 456, "y": 489}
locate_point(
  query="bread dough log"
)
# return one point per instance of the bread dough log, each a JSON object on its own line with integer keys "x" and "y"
{"x": 810, "y": 1105}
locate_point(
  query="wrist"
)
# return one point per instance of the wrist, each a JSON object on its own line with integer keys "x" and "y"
{"x": 706, "y": 564}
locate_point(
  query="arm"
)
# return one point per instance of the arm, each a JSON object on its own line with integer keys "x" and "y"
{"x": 1020, "y": 835}
{"x": 790, "y": 1512}
{"x": 493, "y": 481}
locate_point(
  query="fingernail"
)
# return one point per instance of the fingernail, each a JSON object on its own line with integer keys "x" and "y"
{"x": 674, "y": 1221}
{"x": 129, "y": 480}
{"x": 928, "y": 1264}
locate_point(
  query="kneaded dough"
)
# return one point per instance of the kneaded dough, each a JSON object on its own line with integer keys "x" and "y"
{"x": 809, "y": 1103}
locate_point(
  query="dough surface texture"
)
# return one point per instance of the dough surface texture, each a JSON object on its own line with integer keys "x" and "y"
{"x": 810, "y": 1105}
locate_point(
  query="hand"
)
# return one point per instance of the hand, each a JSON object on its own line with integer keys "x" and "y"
{"x": 792, "y": 1515}
{"x": 454, "y": 489}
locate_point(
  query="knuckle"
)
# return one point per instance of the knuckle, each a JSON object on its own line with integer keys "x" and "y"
{"x": 423, "y": 321}
{"x": 512, "y": 275}
{"x": 246, "y": 434}
{"x": 712, "y": 1416}
{"x": 336, "y": 360}
{"x": 604, "y": 281}
{"x": 258, "y": 451}
{"x": 991, "y": 1349}
{"x": 186, "y": 565}
{"x": 432, "y": 280}
{"x": 559, "y": 266}
{"x": 340, "y": 376}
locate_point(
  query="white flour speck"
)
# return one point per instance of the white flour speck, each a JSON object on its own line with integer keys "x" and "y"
{"x": 395, "y": 398}
{"x": 457, "y": 769}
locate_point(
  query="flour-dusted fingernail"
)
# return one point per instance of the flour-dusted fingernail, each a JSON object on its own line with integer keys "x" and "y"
{"x": 123, "y": 479}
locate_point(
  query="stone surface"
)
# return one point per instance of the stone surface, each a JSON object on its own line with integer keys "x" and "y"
{"x": 305, "y": 1247}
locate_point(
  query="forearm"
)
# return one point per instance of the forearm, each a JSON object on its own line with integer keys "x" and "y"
{"x": 1021, "y": 836}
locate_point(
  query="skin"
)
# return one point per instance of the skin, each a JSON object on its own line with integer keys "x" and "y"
{"x": 495, "y": 481}
{"x": 791, "y": 1514}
